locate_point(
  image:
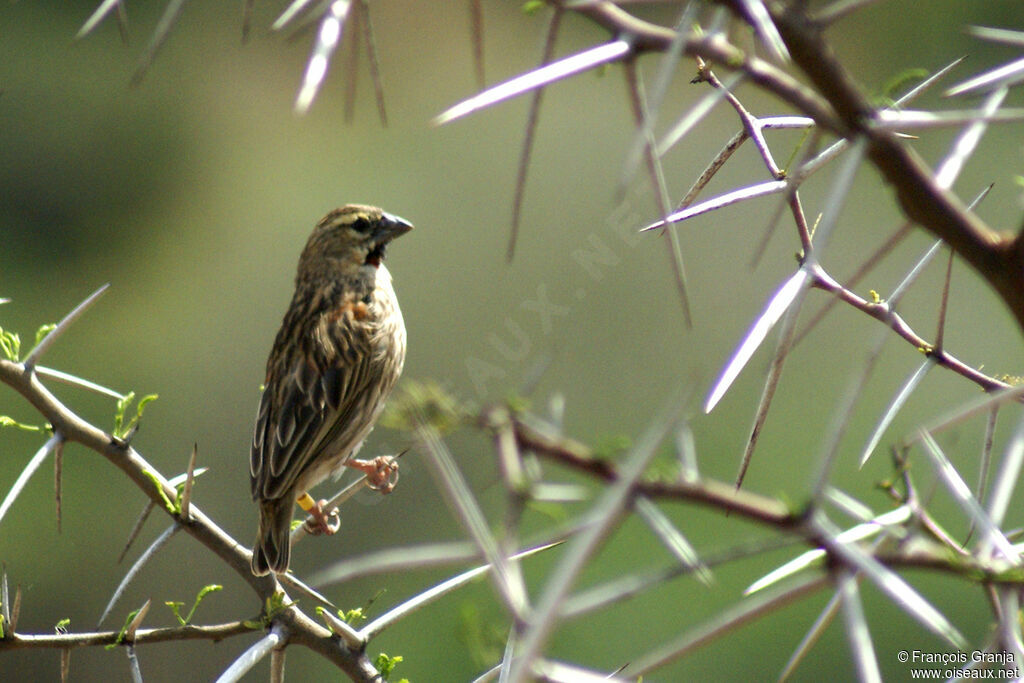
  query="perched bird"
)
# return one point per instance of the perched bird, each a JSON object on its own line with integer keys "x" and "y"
{"x": 336, "y": 357}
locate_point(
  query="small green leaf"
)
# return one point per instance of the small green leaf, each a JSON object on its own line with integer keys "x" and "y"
{"x": 179, "y": 482}
{"x": 148, "y": 398}
{"x": 10, "y": 344}
{"x": 203, "y": 592}
{"x": 275, "y": 604}
{"x": 899, "y": 82}
{"x": 119, "y": 410}
{"x": 124, "y": 629}
{"x": 43, "y": 331}
{"x": 532, "y": 6}
{"x": 353, "y": 616}
{"x": 176, "y": 606}
{"x": 386, "y": 664}
{"x": 122, "y": 427}
{"x": 172, "y": 507}
{"x": 6, "y": 421}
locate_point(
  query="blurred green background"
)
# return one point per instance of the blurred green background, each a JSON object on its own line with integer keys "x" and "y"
{"x": 193, "y": 193}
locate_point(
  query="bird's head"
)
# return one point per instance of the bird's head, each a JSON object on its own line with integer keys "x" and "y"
{"x": 351, "y": 238}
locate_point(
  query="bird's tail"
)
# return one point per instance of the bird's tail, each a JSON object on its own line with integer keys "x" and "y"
{"x": 273, "y": 542}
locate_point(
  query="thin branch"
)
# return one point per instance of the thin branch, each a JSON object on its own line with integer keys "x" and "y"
{"x": 216, "y": 633}
{"x": 73, "y": 428}
{"x": 712, "y": 493}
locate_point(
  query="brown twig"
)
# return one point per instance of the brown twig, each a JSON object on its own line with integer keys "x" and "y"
{"x": 716, "y": 494}
{"x": 837, "y": 105}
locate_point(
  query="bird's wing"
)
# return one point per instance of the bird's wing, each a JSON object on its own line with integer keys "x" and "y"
{"x": 316, "y": 405}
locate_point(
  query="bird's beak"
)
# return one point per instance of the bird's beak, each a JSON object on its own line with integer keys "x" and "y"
{"x": 390, "y": 227}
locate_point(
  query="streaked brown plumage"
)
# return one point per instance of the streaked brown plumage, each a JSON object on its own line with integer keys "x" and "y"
{"x": 336, "y": 357}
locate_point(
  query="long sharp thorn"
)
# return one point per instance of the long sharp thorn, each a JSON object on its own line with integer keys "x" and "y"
{"x": 62, "y": 327}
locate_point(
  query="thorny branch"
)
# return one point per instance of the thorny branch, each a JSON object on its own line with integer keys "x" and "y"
{"x": 941, "y": 553}
{"x": 837, "y": 105}
{"x": 834, "y": 105}
{"x": 302, "y": 630}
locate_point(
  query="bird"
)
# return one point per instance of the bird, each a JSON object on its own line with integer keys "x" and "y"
{"x": 335, "y": 360}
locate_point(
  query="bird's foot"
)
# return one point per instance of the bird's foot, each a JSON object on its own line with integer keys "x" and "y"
{"x": 381, "y": 472}
{"x": 320, "y": 522}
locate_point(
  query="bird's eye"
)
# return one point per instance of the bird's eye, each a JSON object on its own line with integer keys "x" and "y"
{"x": 361, "y": 224}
